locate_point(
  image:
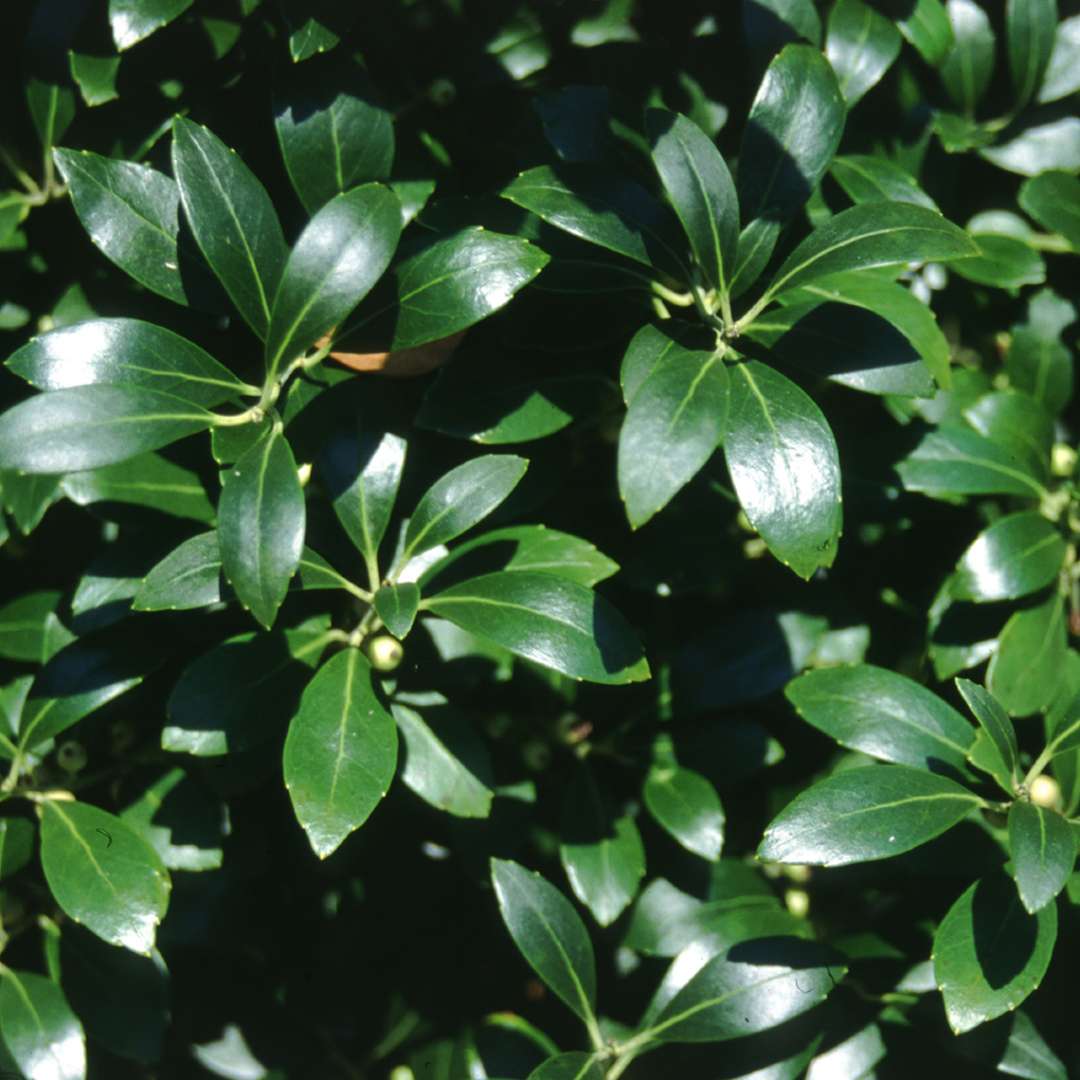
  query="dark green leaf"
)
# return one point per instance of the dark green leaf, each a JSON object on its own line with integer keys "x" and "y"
{"x": 752, "y": 987}
{"x": 40, "y": 1031}
{"x": 793, "y": 130}
{"x": 548, "y": 933}
{"x": 340, "y": 753}
{"x": 1063, "y": 71}
{"x": 96, "y": 76}
{"x": 967, "y": 69}
{"x": 460, "y": 499}
{"x": 181, "y": 820}
{"x": 1043, "y": 848}
{"x": 362, "y": 472}
{"x": 52, "y": 109}
{"x": 131, "y": 214}
{"x": 784, "y": 466}
{"x": 128, "y": 352}
{"x": 232, "y": 218}
{"x": 103, "y": 875}
{"x": 339, "y": 256}
{"x": 675, "y": 421}
{"x": 1053, "y": 200}
{"x": 451, "y": 285}
{"x": 90, "y": 426}
{"x": 122, "y": 998}
{"x": 133, "y": 20}
{"x": 989, "y": 954}
{"x": 16, "y": 845}
{"x": 1017, "y": 555}
{"x": 1042, "y": 366}
{"x": 396, "y": 605}
{"x": 883, "y": 714}
{"x": 601, "y": 851}
{"x": 1030, "y": 26}
{"x": 26, "y": 631}
{"x": 243, "y": 691}
{"x": 188, "y": 577}
{"x": 261, "y": 525}
{"x": 685, "y": 804}
{"x": 769, "y": 25}
{"x": 1015, "y": 419}
{"x": 861, "y": 46}
{"x": 331, "y": 133}
{"x": 870, "y": 178}
{"x": 1003, "y": 262}
{"x": 865, "y": 813}
{"x": 576, "y": 1065}
{"x": 547, "y": 619}
{"x": 601, "y": 207}
{"x": 870, "y": 235}
{"x": 445, "y": 762}
{"x": 925, "y": 24}
{"x": 700, "y": 189}
{"x": 526, "y": 547}
{"x": 956, "y": 460}
{"x": 1012, "y": 1045}
{"x": 1027, "y": 668}
{"x": 995, "y": 722}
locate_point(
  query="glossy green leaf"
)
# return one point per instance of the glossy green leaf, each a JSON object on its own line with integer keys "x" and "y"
{"x": 601, "y": 850}
{"x": 396, "y": 605}
{"x": 863, "y": 814}
{"x": 967, "y": 69}
{"x": 90, "y": 426}
{"x": 261, "y": 522}
{"x": 1030, "y": 26}
{"x": 95, "y": 76}
{"x": 1043, "y": 848}
{"x": 1017, "y": 555}
{"x": 700, "y": 189}
{"x": 133, "y": 20}
{"x": 149, "y": 480}
{"x": 188, "y": 577}
{"x": 340, "y": 753}
{"x": 686, "y": 805}
{"x": 854, "y": 348}
{"x": 445, "y": 762}
{"x": 550, "y": 620}
{"x": 883, "y": 714}
{"x": 80, "y": 678}
{"x": 1042, "y": 366}
{"x": 548, "y": 933}
{"x": 602, "y": 207}
{"x": 243, "y": 691}
{"x": 1063, "y": 71}
{"x": 27, "y": 497}
{"x": 128, "y": 352}
{"x": 999, "y": 729}
{"x": 575, "y": 1065}
{"x": 769, "y": 25}
{"x": 233, "y": 220}
{"x": 872, "y": 178}
{"x": 989, "y": 954}
{"x": 26, "y": 632}
{"x": 1027, "y": 667}
{"x": 16, "y": 845}
{"x": 793, "y": 130}
{"x": 861, "y": 46}
{"x": 460, "y": 499}
{"x": 1015, "y": 419}
{"x": 925, "y": 24}
{"x": 897, "y": 306}
{"x": 41, "y": 1033}
{"x": 752, "y": 987}
{"x": 339, "y": 256}
{"x": 361, "y": 472}
{"x": 1003, "y": 262}
{"x": 1053, "y": 200}
{"x": 332, "y": 135}
{"x": 871, "y": 235}
{"x": 451, "y": 285}
{"x": 103, "y": 875}
{"x": 956, "y": 460}
{"x": 1013, "y": 1046}
{"x": 1037, "y": 148}
{"x": 526, "y": 547}
{"x": 784, "y": 466}
{"x": 675, "y": 421}
{"x": 131, "y": 213}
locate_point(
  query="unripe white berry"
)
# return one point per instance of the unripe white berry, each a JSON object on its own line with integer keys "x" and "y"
{"x": 71, "y": 756}
{"x": 1045, "y": 791}
{"x": 385, "y": 652}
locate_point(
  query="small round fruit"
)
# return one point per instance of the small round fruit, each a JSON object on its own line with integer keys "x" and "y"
{"x": 1045, "y": 791}
{"x": 71, "y": 756}
{"x": 797, "y": 902}
{"x": 385, "y": 652}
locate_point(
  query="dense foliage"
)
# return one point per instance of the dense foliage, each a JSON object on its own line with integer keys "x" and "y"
{"x": 539, "y": 539}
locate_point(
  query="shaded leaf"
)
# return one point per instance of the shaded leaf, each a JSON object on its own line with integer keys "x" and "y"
{"x": 1043, "y": 849}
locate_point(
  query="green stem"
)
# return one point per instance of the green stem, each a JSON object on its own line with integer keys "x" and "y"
{"x": 1054, "y": 243}
{"x": 21, "y": 175}
{"x": 679, "y": 299}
